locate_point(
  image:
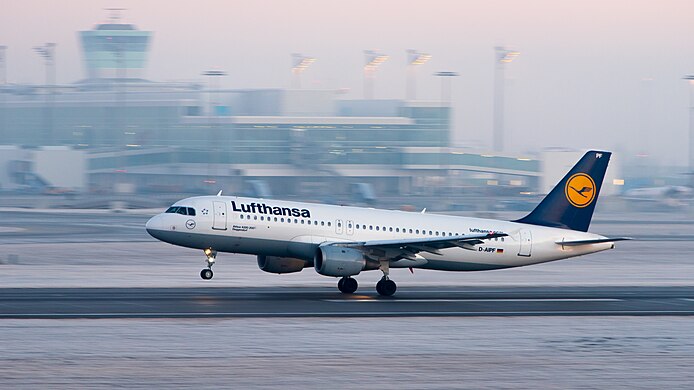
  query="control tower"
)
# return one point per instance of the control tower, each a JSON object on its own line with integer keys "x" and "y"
{"x": 114, "y": 49}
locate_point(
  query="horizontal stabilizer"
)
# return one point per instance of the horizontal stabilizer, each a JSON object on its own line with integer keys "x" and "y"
{"x": 595, "y": 241}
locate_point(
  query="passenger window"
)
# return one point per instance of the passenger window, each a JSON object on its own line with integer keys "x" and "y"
{"x": 255, "y": 217}
{"x": 322, "y": 223}
{"x": 275, "y": 219}
{"x": 411, "y": 231}
{"x": 262, "y": 218}
{"x": 296, "y": 220}
{"x": 390, "y": 229}
{"x": 349, "y": 226}
{"x": 329, "y": 224}
{"x": 430, "y": 233}
{"x": 417, "y": 231}
{"x": 241, "y": 216}
{"x": 302, "y": 221}
{"x": 371, "y": 227}
{"x": 315, "y": 223}
{"x": 377, "y": 228}
{"x": 397, "y": 230}
{"x": 502, "y": 239}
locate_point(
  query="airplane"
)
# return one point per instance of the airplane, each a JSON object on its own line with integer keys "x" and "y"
{"x": 342, "y": 241}
{"x": 665, "y": 197}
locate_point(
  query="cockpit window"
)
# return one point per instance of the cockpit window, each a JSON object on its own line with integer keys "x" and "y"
{"x": 181, "y": 210}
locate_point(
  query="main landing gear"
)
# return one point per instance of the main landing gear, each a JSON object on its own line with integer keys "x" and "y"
{"x": 385, "y": 286}
{"x": 207, "y": 273}
{"x": 347, "y": 285}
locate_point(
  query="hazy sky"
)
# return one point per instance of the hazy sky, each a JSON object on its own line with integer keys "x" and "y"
{"x": 591, "y": 73}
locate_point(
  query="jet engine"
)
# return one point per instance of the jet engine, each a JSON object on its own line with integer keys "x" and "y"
{"x": 338, "y": 261}
{"x": 281, "y": 265}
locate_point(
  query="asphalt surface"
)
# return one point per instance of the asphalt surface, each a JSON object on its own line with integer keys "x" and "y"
{"x": 324, "y": 302}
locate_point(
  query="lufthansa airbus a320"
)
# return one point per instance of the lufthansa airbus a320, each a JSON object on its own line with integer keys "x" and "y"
{"x": 340, "y": 241}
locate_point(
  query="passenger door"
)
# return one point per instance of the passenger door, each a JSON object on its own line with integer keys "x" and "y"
{"x": 526, "y": 243}
{"x": 219, "y": 218}
{"x": 338, "y": 226}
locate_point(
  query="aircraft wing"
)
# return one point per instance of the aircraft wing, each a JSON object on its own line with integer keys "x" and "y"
{"x": 410, "y": 246}
{"x": 594, "y": 241}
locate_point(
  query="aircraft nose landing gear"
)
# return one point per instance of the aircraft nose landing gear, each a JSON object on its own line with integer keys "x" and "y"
{"x": 207, "y": 273}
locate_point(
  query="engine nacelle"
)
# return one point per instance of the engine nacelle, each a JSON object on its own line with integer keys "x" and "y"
{"x": 338, "y": 261}
{"x": 281, "y": 265}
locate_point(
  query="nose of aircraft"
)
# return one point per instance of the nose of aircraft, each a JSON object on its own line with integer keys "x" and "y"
{"x": 154, "y": 224}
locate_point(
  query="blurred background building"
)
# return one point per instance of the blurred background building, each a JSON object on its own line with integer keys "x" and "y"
{"x": 117, "y": 132}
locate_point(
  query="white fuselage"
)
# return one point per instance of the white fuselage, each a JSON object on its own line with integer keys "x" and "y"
{"x": 293, "y": 229}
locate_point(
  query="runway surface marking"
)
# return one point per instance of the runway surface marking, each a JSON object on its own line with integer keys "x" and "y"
{"x": 476, "y": 300}
{"x": 355, "y": 314}
{"x": 325, "y": 303}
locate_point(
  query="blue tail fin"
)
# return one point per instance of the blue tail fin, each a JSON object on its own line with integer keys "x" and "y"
{"x": 570, "y": 204}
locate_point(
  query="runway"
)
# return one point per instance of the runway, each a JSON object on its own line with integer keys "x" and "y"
{"x": 64, "y": 303}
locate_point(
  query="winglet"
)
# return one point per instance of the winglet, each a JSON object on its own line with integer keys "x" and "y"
{"x": 424, "y": 210}
{"x": 220, "y": 193}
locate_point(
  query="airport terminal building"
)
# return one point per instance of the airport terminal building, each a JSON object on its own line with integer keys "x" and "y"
{"x": 137, "y": 135}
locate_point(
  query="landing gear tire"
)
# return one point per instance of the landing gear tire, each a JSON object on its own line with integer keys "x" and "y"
{"x": 347, "y": 285}
{"x": 386, "y": 287}
{"x": 206, "y": 274}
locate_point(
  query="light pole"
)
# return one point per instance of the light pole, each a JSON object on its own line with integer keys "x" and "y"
{"x": 446, "y": 97}
{"x": 415, "y": 59}
{"x": 446, "y": 85}
{"x": 503, "y": 56}
{"x": 214, "y": 136}
{"x": 373, "y": 61}
{"x": 3, "y": 74}
{"x": 214, "y": 76}
{"x": 300, "y": 63}
{"x": 690, "y": 79}
{"x": 47, "y": 52}
{"x": 3, "y": 67}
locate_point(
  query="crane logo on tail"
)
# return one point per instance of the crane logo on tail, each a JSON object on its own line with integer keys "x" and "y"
{"x": 580, "y": 190}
